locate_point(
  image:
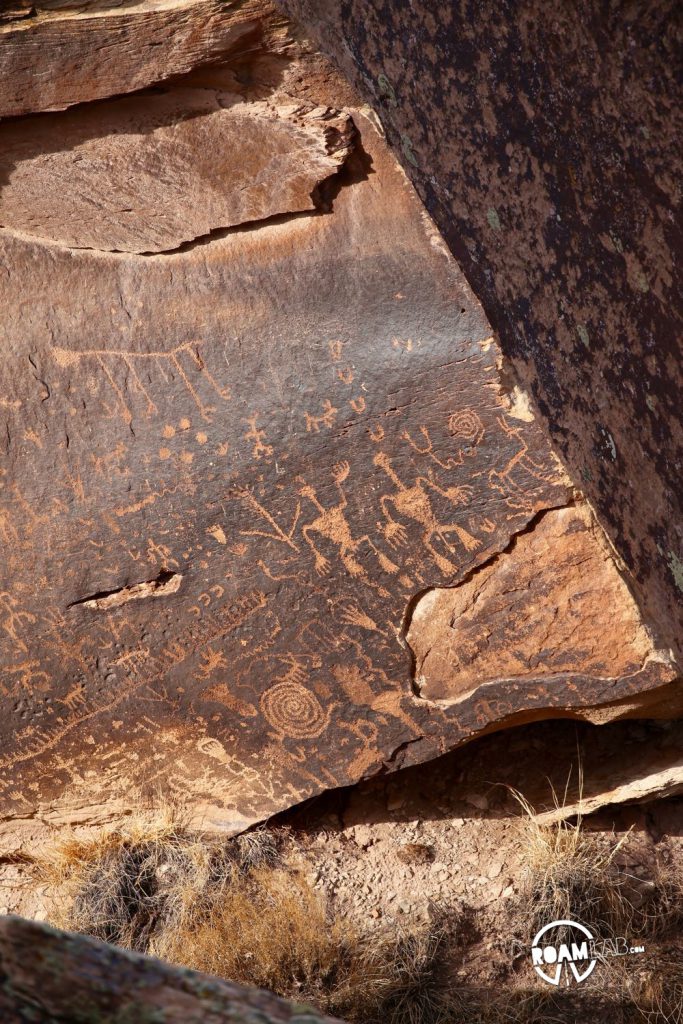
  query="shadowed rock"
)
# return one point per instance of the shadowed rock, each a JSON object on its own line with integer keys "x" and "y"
{"x": 49, "y": 977}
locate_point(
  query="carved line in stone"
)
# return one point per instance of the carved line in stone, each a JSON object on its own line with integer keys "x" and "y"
{"x": 67, "y": 357}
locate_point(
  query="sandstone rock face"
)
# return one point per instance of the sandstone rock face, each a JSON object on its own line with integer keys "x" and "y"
{"x": 250, "y": 413}
{"x": 552, "y": 602}
{"x": 55, "y": 53}
{"x": 50, "y": 976}
{"x": 545, "y": 146}
{"x": 146, "y": 175}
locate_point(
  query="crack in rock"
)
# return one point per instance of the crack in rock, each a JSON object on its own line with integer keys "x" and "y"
{"x": 161, "y": 586}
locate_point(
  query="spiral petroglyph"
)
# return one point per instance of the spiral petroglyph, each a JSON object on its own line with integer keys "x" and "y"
{"x": 294, "y": 711}
{"x": 466, "y": 424}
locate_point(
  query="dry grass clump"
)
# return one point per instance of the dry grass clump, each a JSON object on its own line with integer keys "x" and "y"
{"x": 239, "y": 909}
{"x": 571, "y": 874}
{"x": 658, "y": 994}
{"x": 127, "y": 884}
{"x": 574, "y": 874}
{"x": 265, "y": 927}
{"x": 272, "y": 930}
{"x": 404, "y": 973}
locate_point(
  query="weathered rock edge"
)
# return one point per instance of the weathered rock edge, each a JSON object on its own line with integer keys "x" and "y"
{"x": 49, "y": 976}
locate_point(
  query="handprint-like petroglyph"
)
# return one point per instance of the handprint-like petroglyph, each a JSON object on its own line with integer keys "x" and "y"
{"x": 353, "y": 615}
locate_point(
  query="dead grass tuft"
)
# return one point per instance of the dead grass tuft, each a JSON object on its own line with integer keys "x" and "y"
{"x": 572, "y": 873}
{"x": 244, "y": 909}
{"x": 658, "y": 995}
{"x": 238, "y": 909}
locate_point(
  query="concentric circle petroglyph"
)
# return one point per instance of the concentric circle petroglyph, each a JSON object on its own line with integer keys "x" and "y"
{"x": 294, "y": 711}
{"x": 466, "y": 424}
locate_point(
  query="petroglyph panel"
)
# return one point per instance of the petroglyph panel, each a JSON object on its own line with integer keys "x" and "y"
{"x": 545, "y": 143}
{"x": 303, "y": 426}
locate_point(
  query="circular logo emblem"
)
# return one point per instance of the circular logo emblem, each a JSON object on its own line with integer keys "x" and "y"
{"x": 563, "y": 945}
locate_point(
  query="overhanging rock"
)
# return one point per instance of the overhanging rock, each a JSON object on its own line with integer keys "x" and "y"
{"x": 545, "y": 145}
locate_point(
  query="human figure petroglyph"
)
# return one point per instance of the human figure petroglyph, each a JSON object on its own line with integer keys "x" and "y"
{"x": 332, "y": 524}
{"x": 414, "y": 503}
{"x": 260, "y": 448}
{"x": 211, "y": 661}
{"x": 14, "y": 619}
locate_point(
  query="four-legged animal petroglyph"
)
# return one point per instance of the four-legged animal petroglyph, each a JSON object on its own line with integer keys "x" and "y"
{"x": 135, "y": 361}
{"x": 523, "y": 474}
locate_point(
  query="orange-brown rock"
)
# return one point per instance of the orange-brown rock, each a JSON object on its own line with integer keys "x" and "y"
{"x": 552, "y": 605}
{"x": 147, "y": 174}
{"x": 241, "y": 432}
{"x": 56, "y": 53}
